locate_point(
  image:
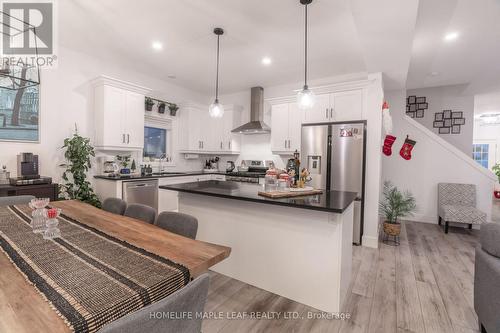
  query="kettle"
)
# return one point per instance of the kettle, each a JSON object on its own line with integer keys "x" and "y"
{"x": 230, "y": 166}
{"x": 110, "y": 167}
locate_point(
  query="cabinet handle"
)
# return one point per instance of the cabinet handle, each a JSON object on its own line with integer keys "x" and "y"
{"x": 128, "y": 138}
{"x": 331, "y": 113}
{"x": 288, "y": 144}
{"x": 326, "y": 113}
{"x": 229, "y": 145}
{"x": 202, "y": 144}
{"x": 123, "y": 138}
{"x": 221, "y": 144}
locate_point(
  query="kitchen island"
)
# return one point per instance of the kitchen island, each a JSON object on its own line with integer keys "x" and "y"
{"x": 299, "y": 248}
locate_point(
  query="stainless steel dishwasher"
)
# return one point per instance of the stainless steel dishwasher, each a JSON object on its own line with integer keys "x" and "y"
{"x": 141, "y": 191}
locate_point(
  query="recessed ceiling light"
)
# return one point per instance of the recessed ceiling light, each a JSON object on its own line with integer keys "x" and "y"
{"x": 434, "y": 73}
{"x": 171, "y": 76}
{"x": 266, "y": 61}
{"x": 157, "y": 46}
{"x": 451, "y": 36}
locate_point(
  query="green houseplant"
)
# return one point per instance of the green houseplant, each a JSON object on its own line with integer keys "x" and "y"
{"x": 395, "y": 205}
{"x": 173, "y": 109}
{"x": 149, "y": 104}
{"x": 76, "y": 186}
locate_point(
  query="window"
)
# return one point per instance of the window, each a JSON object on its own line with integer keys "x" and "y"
{"x": 480, "y": 154}
{"x": 155, "y": 142}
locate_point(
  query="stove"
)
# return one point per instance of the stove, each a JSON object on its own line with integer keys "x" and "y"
{"x": 256, "y": 169}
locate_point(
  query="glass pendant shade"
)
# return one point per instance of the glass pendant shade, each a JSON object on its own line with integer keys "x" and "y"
{"x": 216, "y": 110}
{"x": 305, "y": 99}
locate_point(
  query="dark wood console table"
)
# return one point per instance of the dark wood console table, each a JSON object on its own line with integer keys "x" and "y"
{"x": 40, "y": 190}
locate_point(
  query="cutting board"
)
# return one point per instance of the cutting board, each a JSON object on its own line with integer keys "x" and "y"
{"x": 278, "y": 194}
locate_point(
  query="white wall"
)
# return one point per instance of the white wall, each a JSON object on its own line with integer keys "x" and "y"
{"x": 449, "y": 98}
{"x": 67, "y": 98}
{"x": 433, "y": 161}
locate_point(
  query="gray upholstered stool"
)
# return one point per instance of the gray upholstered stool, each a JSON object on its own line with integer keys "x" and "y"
{"x": 16, "y": 200}
{"x": 189, "y": 300}
{"x": 178, "y": 223}
{"x": 141, "y": 212}
{"x": 114, "y": 205}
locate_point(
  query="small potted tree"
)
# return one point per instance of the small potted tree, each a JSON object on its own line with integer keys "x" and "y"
{"x": 149, "y": 104}
{"x": 161, "y": 108}
{"x": 173, "y": 109}
{"x": 395, "y": 205}
{"x": 496, "y": 170}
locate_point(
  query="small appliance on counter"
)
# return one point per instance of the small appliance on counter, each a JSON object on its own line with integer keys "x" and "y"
{"x": 27, "y": 171}
{"x": 110, "y": 168}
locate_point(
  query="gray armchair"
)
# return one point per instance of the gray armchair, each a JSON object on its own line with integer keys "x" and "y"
{"x": 188, "y": 301}
{"x": 487, "y": 279}
{"x": 178, "y": 223}
{"x": 16, "y": 200}
{"x": 114, "y": 205}
{"x": 141, "y": 212}
{"x": 457, "y": 203}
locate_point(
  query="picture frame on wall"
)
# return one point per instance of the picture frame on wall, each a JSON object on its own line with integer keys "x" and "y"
{"x": 413, "y": 108}
{"x": 420, "y": 100}
{"x": 412, "y": 99}
{"x": 410, "y": 114}
{"x": 448, "y": 122}
{"x": 447, "y": 114}
{"x": 419, "y": 113}
{"x": 455, "y": 129}
{"x": 458, "y": 114}
{"x": 423, "y": 106}
{"x": 444, "y": 130}
{"x": 438, "y": 124}
{"x": 438, "y": 116}
{"x": 459, "y": 121}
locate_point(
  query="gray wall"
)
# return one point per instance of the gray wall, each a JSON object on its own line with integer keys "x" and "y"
{"x": 449, "y": 98}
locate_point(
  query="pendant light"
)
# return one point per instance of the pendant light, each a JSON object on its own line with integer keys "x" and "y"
{"x": 305, "y": 97}
{"x": 216, "y": 110}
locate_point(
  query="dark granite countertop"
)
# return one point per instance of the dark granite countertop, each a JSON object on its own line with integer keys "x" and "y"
{"x": 155, "y": 176}
{"x": 332, "y": 201}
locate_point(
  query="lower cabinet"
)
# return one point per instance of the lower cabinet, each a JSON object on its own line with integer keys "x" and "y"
{"x": 50, "y": 191}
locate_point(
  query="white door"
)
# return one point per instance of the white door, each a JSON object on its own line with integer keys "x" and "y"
{"x": 320, "y": 113}
{"x": 347, "y": 105}
{"x": 135, "y": 120}
{"x": 295, "y": 119}
{"x": 279, "y": 131}
{"x": 114, "y": 117}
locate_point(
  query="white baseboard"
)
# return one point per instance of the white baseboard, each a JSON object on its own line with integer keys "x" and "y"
{"x": 369, "y": 241}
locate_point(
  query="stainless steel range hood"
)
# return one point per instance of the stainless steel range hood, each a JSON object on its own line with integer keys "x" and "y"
{"x": 256, "y": 124}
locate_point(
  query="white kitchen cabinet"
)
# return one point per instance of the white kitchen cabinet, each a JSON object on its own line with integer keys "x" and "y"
{"x": 202, "y": 134}
{"x": 286, "y": 120}
{"x": 119, "y": 114}
{"x": 338, "y": 106}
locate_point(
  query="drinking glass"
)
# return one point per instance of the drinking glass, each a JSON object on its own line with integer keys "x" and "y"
{"x": 38, "y": 215}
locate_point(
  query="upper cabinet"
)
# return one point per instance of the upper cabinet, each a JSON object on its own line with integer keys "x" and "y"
{"x": 286, "y": 121}
{"x": 203, "y": 134}
{"x": 118, "y": 114}
{"x": 338, "y": 106}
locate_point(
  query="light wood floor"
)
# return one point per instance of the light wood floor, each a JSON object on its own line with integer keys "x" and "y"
{"x": 423, "y": 285}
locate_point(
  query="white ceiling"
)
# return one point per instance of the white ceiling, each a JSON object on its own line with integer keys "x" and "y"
{"x": 402, "y": 39}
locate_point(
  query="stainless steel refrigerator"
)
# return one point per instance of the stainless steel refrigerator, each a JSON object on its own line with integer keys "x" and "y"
{"x": 334, "y": 153}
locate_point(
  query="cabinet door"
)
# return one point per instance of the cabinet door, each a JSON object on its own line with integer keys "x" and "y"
{"x": 279, "y": 131}
{"x": 114, "y": 116}
{"x": 347, "y": 105}
{"x": 320, "y": 112}
{"x": 193, "y": 129}
{"x": 134, "y": 128}
{"x": 295, "y": 120}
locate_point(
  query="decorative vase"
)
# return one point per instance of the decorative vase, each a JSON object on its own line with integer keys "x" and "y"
{"x": 52, "y": 229}
{"x": 173, "y": 111}
{"x": 149, "y": 107}
{"x": 497, "y": 194}
{"x": 161, "y": 108}
{"x": 38, "y": 214}
{"x": 392, "y": 229}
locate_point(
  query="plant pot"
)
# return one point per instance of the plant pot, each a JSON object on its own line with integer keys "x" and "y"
{"x": 392, "y": 229}
{"x": 161, "y": 108}
{"x": 173, "y": 112}
{"x": 149, "y": 107}
{"x": 496, "y": 194}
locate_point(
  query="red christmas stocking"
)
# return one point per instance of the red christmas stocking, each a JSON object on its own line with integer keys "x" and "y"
{"x": 405, "y": 151}
{"x": 388, "y": 142}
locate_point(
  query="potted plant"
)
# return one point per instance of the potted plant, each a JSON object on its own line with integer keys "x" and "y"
{"x": 173, "y": 109}
{"x": 496, "y": 170}
{"x": 149, "y": 103}
{"x": 124, "y": 161}
{"x": 395, "y": 205}
{"x": 133, "y": 167}
{"x": 76, "y": 186}
{"x": 161, "y": 107}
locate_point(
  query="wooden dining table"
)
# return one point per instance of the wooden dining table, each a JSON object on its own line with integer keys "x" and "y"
{"x": 23, "y": 309}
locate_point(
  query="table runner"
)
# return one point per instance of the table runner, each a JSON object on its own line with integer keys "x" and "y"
{"x": 89, "y": 278}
